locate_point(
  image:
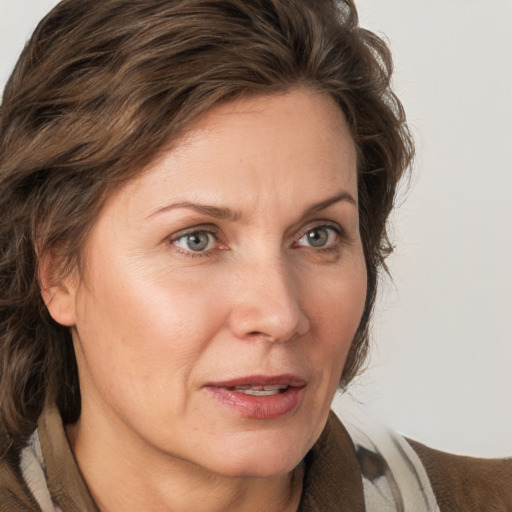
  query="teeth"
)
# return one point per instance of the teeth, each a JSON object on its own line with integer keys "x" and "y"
{"x": 261, "y": 390}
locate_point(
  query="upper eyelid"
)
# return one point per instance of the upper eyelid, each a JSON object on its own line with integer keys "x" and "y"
{"x": 207, "y": 228}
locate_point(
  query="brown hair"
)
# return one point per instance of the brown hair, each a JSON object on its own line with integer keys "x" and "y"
{"x": 103, "y": 86}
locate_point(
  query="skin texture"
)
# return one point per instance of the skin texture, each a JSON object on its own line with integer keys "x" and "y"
{"x": 154, "y": 322}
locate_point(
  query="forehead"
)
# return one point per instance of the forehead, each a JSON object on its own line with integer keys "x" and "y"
{"x": 251, "y": 149}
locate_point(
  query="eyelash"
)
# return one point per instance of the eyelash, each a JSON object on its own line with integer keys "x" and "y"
{"x": 338, "y": 231}
{"x": 192, "y": 231}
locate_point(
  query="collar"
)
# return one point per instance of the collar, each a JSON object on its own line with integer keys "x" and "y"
{"x": 332, "y": 480}
{"x": 64, "y": 480}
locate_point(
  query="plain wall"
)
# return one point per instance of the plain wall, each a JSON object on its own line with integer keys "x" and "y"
{"x": 441, "y": 364}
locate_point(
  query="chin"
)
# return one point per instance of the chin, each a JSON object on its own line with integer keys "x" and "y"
{"x": 259, "y": 469}
{"x": 257, "y": 459}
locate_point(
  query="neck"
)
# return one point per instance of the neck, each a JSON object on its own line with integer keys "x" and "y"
{"x": 129, "y": 476}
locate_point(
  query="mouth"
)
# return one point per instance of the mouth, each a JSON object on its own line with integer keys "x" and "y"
{"x": 259, "y": 390}
{"x": 260, "y": 397}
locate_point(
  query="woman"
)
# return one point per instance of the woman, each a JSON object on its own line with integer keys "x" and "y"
{"x": 194, "y": 198}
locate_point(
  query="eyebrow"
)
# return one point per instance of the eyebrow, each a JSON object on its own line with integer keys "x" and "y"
{"x": 224, "y": 213}
{"x": 342, "y": 196}
{"x": 217, "y": 212}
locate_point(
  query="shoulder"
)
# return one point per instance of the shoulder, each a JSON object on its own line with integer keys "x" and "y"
{"x": 400, "y": 474}
{"x": 14, "y": 494}
{"x": 467, "y": 483}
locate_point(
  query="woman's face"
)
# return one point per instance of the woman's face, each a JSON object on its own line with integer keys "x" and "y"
{"x": 222, "y": 291}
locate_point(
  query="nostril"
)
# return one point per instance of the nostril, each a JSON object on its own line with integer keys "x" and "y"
{"x": 262, "y": 335}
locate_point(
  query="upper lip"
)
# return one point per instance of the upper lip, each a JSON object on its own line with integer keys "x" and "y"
{"x": 287, "y": 380}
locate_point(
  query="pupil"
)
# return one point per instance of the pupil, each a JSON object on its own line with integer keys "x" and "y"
{"x": 318, "y": 237}
{"x": 197, "y": 241}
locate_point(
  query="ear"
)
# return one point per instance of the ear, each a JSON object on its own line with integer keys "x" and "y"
{"x": 58, "y": 294}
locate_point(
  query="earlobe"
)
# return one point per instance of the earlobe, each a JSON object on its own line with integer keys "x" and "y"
{"x": 60, "y": 302}
{"x": 58, "y": 294}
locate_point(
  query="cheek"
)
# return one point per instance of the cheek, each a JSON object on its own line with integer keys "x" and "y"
{"x": 136, "y": 326}
{"x": 335, "y": 311}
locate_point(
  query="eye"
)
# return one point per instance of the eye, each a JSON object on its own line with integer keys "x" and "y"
{"x": 196, "y": 241}
{"x": 319, "y": 237}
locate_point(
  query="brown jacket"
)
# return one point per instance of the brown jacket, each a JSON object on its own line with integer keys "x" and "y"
{"x": 332, "y": 481}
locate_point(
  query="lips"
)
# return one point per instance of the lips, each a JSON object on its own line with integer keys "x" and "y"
{"x": 285, "y": 380}
{"x": 260, "y": 397}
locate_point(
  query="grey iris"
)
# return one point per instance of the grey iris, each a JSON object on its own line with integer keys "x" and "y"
{"x": 198, "y": 241}
{"x": 318, "y": 237}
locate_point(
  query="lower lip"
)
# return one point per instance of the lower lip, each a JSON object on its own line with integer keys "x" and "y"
{"x": 260, "y": 407}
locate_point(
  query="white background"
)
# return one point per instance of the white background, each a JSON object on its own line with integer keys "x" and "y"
{"x": 441, "y": 363}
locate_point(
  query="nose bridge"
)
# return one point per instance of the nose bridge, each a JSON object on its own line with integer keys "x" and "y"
{"x": 268, "y": 304}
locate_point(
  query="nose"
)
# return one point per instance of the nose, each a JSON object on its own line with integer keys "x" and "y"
{"x": 267, "y": 304}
